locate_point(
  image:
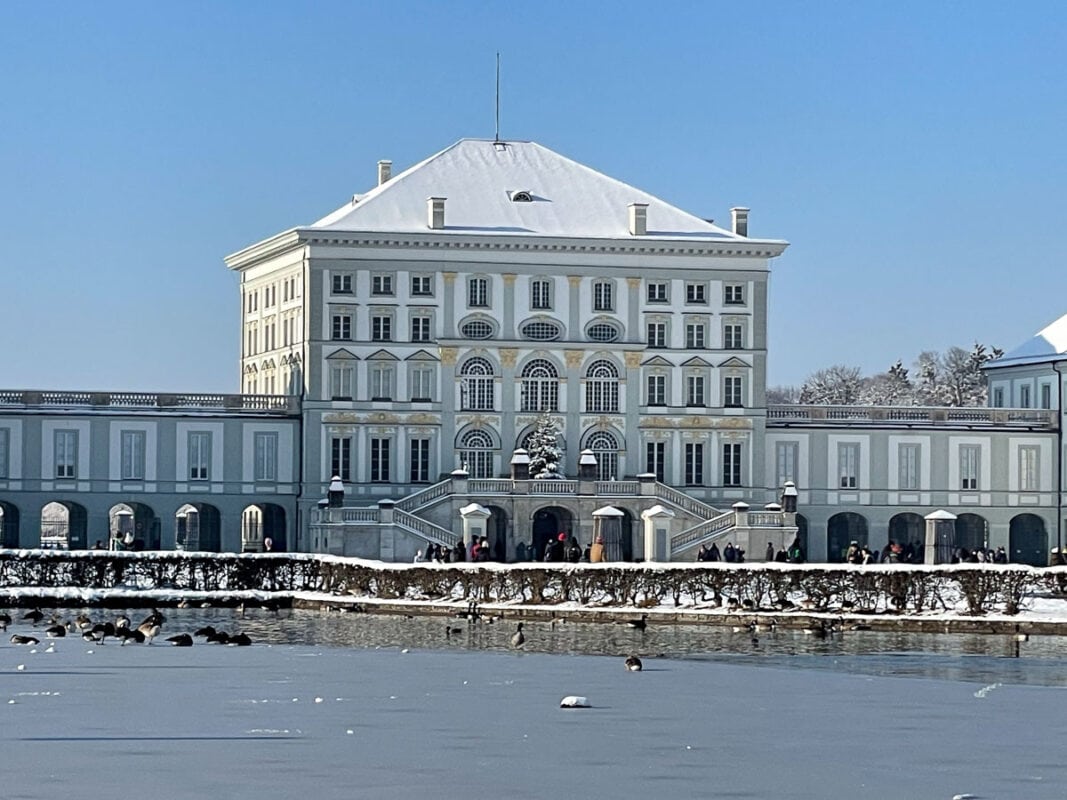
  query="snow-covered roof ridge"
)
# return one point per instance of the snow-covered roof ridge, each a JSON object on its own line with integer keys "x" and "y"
{"x": 1048, "y": 344}
{"x": 479, "y": 178}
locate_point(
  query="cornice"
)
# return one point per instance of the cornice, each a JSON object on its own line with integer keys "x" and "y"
{"x": 267, "y": 248}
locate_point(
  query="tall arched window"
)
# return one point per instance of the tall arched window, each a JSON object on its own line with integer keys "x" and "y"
{"x": 477, "y": 390}
{"x": 602, "y": 388}
{"x": 540, "y": 386}
{"x": 606, "y": 449}
{"x": 476, "y": 454}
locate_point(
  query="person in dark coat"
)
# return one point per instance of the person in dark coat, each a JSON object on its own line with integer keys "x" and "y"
{"x": 702, "y": 553}
{"x": 574, "y": 551}
{"x": 713, "y": 553}
{"x": 559, "y": 548}
{"x": 729, "y": 554}
{"x": 769, "y": 555}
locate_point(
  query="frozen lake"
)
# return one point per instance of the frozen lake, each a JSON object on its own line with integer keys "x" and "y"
{"x": 334, "y": 706}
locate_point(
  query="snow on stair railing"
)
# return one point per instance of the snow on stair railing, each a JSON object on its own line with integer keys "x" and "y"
{"x": 685, "y": 502}
{"x": 425, "y": 496}
{"x": 723, "y": 522}
{"x": 425, "y": 528}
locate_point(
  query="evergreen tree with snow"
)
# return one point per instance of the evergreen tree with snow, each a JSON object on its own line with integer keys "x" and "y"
{"x": 546, "y": 455}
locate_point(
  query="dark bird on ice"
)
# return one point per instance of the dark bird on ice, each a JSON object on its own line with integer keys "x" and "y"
{"x": 633, "y": 664}
{"x": 181, "y": 640}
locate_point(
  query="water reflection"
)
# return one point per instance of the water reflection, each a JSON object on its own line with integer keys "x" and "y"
{"x": 979, "y": 658}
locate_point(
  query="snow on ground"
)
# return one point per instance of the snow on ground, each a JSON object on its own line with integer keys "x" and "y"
{"x": 281, "y": 721}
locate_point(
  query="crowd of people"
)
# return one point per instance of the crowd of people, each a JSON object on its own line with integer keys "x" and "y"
{"x": 794, "y": 554}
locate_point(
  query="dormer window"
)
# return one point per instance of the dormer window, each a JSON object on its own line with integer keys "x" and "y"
{"x": 520, "y": 196}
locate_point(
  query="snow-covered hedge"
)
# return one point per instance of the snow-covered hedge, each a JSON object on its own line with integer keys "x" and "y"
{"x": 969, "y": 589}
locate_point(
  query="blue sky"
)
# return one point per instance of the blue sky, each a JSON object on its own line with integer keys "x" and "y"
{"x": 911, "y": 152}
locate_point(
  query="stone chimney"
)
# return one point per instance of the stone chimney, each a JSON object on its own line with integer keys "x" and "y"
{"x": 739, "y": 216}
{"x": 638, "y": 219}
{"x": 435, "y": 207}
{"x": 385, "y": 171}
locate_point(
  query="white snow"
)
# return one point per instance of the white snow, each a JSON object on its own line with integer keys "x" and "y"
{"x": 1047, "y": 344}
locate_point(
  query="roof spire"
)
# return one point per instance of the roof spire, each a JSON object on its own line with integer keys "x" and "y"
{"x": 496, "y": 137}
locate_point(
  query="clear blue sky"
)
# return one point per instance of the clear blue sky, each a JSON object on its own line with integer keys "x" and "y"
{"x": 912, "y": 152}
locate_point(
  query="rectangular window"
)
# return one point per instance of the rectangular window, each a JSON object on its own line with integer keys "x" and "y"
{"x": 970, "y": 454}
{"x": 1046, "y": 395}
{"x": 998, "y": 398}
{"x": 694, "y": 464}
{"x": 420, "y": 460}
{"x": 603, "y": 296}
{"x": 66, "y": 452}
{"x": 341, "y": 373}
{"x": 732, "y": 392}
{"x": 342, "y": 284}
{"x": 381, "y": 382}
{"x": 696, "y": 293}
{"x": 1029, "y": 477}
{"x": 733, "y": 294}
{"x": 657, "y": 390}
{"x": 478, "y": 292}
{"x": 381, "y": 328}
{"x": 1024, "y": 397}
{"x": 341, "y": 328}
{"x": 422, "y": 384}
{"x": 694, "y": 391}
{"x": 785, "y": 460}
{"x": 266, "y": 455}
{"x": 656, "y": 292}
{"x": 5, "y": 439}
{"x": 341, "y": 457}
{"x": 381, "y": 285}
{"x": 655, "y": 460}
{"x": 908, "y": 466}
{"x": 695, "y": 336}
{"x": 541, "y": 294}
{"x": 657, "y": 334}
{"x": 733, "y": 337}
{"x": 199, "y": 456}
{"x": 848, "y": 459}
{"x": 731, "y": 464}
{"x": 420, "y": 329}
{"x": 422, "y": 286}
{"x": 132, "y": 443}
{"x": 379, "y": 460}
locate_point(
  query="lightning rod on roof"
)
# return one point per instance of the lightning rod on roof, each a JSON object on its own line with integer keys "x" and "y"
{"x": 496, "y": 138}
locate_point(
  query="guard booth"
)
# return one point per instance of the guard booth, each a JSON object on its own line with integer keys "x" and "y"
{"x": 940, "y": 537}
{"x": 607, "y": 528}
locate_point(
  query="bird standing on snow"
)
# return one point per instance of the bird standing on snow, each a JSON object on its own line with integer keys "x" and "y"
{"x": 518, "y": 639}
{"x": 633, "y": 664}
{"x": 5, "y": 620}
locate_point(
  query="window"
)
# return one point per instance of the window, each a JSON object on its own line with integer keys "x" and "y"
{"x": 733, "y": 294}
{"x": 476, "y": 329}
{"x": 603, "y": 296}
{"x": 420, "y": 329}
{"x": 266, "y": 465}
{"x": 66, "y": 453}
{"x": 694, "y": 391}
{"x": 733, "y": 337}
{"x": 695, "y": 336}
{"x": 696, "y": 293}
{"x": 602, "y": 388}
{"x": 602, "y": 332}
{"x": 656, "y": 391}
{"x": 998, "y": 398}
{"x": 4, "y": 446}
{"x": 540, "y": 330}
{"x": 381, "y": 285}
{"x": 657, "y": 334}
{"x": 656, "y": 292}
{"x": 419, "y": 461}
{"x": 969, "y": 461}
{"x": 199, "y": 456}
{"x": 341, "y": 373}
{"x": 422, "y": 286}
{"x": 379, "y": 460}
{"x": 381, "y": 328}
{"x": 342, "y": 284}
{"x": 694, "y": 464}
{"x": 1029, "y": 477}
{"x": 381, "y": 382}
{"x": 341, "y": 457}
{"x": 785, "y": 462}
{"x": 908, "y": 466}
{"x": 540, "y": 386}
{"x": 1046, "y": 395}
{"x": 1024, "y": 397}
{"x": 342, "y": 327}
{"x": 133, "y": 455}
{"x": 655, "y": 459}
{"x": 848, "y": 457}
{"x": 421, "y": 384}
{"x": 606, "y": 449}
{"x": 478, "y": 292}
{"x": 732, "y": 392}
{"x": 477, "y": 387}
{"x": 476, "y": 454}
{"x": 731, "y": 464}
{"x": 540, "y": 294}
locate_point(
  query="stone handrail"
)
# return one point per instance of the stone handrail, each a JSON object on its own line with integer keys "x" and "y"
{"x": 619, "y": 488}
{"x": 553, "y": 487}
{"x": 425, "y": 496}
{"x": 685, "y": 502}
{"x": 765, "y": 519}
{"x": 933, "y": 415}
{"x": 424, "y": 528}
{"x": 368, "y": 514}
{"x": 718, "y": 524}
{"x": 150, "y": 400}
{"x": 490, "y": 485}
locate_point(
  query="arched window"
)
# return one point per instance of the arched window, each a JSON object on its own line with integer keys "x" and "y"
{"x": 602, "y": 388}
{"x": 477, "y": 387}
{"x": 540, "y": 386}
{"x": 476, "y": 454}
{"x": 606, "y": 449}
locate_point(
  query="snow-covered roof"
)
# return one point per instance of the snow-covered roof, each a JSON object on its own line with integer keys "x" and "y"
{"x": 480, "y": 178}
{"x": 1049, "y": 344}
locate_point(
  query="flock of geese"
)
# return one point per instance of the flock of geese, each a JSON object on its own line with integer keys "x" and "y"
{"x": 121, "y": 629}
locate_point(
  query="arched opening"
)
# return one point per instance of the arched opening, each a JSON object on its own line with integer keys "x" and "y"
{"x": 802, "y": 534}
{"x": 496, "y": 531}
{"x": 63, "y": 526}
{"x": 263, "y": 529}
{"x": 198, "y": 526}
{"x": 626, "y": 525}
{"x": 133, "y": 526}
{"x": 908, "y": 529}
{"x": 605, "y": 447}
{"x": 476, "y": 453}
{"x": 841, "y": 531}
{"x": 9, "y": 525}
{"x": 1028, "y": 540}
{"x": 972, "y": 532}
{"x": 548, "y": 523}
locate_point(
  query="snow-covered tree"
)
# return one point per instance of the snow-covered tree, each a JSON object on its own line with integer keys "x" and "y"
{"x": 543, "y": 445}
{"x": 783, "y": 395}
{"x": 954, "y": 378}
{"x": 838, "y": 385}
{"x": 890, "y": 388}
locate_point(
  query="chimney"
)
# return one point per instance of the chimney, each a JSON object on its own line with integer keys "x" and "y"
{"x": 638, "y": 219}
{"x": 435, "y": 206}
{"x": 739, "y": 216}
{"x": 385, "y": 171}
